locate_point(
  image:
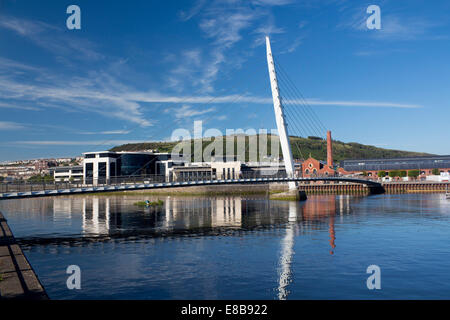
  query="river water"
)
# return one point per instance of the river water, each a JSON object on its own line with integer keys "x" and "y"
{"x": 237, "y": 247}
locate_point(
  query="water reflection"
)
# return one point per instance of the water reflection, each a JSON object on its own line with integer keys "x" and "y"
{"x": 96, "y": 214}
{"x": 111, "y": 216}
{"x": 287, "y": 251}
{"x": 99, "y": 217}
{"x": 314, "y": 213}
{"x": 118, "y": 216}
{"x": 273, "y": 249}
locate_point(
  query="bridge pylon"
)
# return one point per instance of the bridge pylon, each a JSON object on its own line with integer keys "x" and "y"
{"x": 280, "y": 118}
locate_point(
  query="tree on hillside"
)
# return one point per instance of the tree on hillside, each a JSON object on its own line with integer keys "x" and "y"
{"x": 436, "y": 172}
{"x": 301, "y": 147}
{"x": 402, "y": 174}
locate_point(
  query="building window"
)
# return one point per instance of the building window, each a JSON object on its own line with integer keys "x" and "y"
{"x": 89, "y": 170}
{"x": 307, "y": 171}
{"x": 112, "y": 169}
{"x": 104, "y": 155}
{"x": 102, "y": 169}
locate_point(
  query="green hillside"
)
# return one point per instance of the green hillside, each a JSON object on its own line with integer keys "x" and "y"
{"x": 302, "y": 148}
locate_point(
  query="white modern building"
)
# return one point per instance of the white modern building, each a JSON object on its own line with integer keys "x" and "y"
{"x": 66, "y": 174}
{"x": 99, "y": 166}
{"x": 102, "y": 166}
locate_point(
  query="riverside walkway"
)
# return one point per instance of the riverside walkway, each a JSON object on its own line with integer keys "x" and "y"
{"x": 17, "y": 278}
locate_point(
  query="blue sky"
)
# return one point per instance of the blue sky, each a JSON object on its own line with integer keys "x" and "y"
{"x": 137, "y": 70}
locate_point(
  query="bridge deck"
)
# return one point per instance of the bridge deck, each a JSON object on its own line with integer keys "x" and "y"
{"x": 142, "y": 186}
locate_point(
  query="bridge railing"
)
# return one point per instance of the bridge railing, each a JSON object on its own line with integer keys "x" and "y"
{"x": 27, "y": 186}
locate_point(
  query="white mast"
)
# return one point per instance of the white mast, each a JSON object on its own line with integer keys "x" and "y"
{"x": 279, "y": 116}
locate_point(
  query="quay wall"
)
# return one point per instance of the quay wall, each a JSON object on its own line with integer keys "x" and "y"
{"x": 311, "y": 188}
{"x": 389, "y": 187}
{"x": 17, "y": 278}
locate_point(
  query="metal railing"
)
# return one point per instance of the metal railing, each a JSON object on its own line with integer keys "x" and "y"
{"x": 26, "y": 186}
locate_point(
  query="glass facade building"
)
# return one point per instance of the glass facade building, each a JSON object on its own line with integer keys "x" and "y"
{"x": 133, "y": 164}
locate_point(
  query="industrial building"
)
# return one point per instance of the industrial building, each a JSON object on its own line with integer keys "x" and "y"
{"x": 425, "y": 165}
{"x": 312, "y": 167}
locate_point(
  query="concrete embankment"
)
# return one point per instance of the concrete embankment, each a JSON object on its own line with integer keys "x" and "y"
{"x": 213, "y": 190}
{"x": 17, "y": 278}
{"x": 389, "y": 187}
{"x": 275, "y": 189}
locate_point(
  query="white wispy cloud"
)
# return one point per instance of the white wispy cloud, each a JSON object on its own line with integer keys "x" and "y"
{"x": 102, "y": 93}
{"x": 15, "y": 66}
{"x": 267, "y": 29}
{"x": 189, "y": 62}
{"x": 293, "y": 46}
{"x": 394, "y": 26}
{"x": 186, "y": 111}
{"x": 224, "y": 27}
{"x": 404, "y": 28}
{"x": 272, "y": 2}
{"x": 370, "y": 104}
{"x": 76, "y": 143}
{"x": 193, "y": 11}
{"x": 24, "y": 27}
{"x": 224, "y": 23}
{"x": 51, "y": 38}
{"x": 18, "y": 107}
{"x": 207, "y": 99}
{"x": 109, "y": 132}
{"x": 99, "y": 93}
{"x": 7, "y": 125}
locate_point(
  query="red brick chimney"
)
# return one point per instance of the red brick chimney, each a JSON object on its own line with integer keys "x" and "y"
{"x": 329, "y": 150}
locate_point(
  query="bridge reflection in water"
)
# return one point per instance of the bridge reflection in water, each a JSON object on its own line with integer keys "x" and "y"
{"x": 311, "y": 214}
{"x": 109, "y": 217}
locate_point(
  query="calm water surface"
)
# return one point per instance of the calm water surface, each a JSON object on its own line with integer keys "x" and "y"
{"x": 237, "y": 247}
